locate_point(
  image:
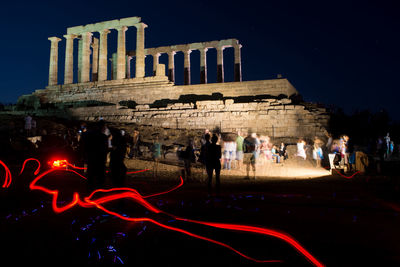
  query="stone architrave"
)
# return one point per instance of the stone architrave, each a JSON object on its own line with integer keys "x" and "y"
{"x": 171, "y": 66}
{"x": 121, "y": 53}
{"x": 238, "y": 63}
{"x": 95, "y": 59}
{"x": 69, "y": 59}
{"x": 140, "y": 55}
{"x": 220, "y": 64}
{"x": 186, "y": 66}
{"x": 203, "y": 65}
{"x": 156, "y": 58}
{"x": 103, "y": 55}
{"x": 85, "y": 72}
{"x": 53, "y": 66}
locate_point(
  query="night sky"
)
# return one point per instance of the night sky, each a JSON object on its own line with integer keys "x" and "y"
{"x": 344, "y": 53}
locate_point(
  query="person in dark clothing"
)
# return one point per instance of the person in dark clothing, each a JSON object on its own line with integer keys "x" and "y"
{"x": 282, "y": 151}
{"x": 203, "y": 149}
{"x": 117, "y": 155}
{"x": 95, "y": 147}
{"x": 213, "y": 156}
{"x": 188, "y": 159}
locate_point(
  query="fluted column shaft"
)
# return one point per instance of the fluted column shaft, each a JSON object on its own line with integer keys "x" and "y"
{"x": 203, "y": 65}
{"x": 171, "y": 66}
{"x": 238, "y": 64}
{"x": 186, "y": 65}
{"x": 155, "y": 63}
{"x": 69, "y": 59}
{"x": 128, "y": 67}
{"x": 53, "y": 66}
{"x": 220, "y": 64}
{"x": 140, "y": 56}
{"x": 121, "y": 53}
{"x": 86, "y": 41}
{"x": 95, "y": 59}
{"x": 103, "y": 55}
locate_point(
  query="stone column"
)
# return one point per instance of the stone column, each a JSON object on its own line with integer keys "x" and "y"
{"x": 186, "y": 65}
{"x": 171, "y": 66}
{"x": 103, "y": 55}
{"x": 203, "y": 65}
{"x": 220, "y": 64}
{"x": 86, "y": 40}
{"x": 80, "y": 44}
{"x": 156, "y": 57}
{"x": 121, "y": 53}
{"x": 238, "y": 64}
{"x": 69, "y": 59}
{"x": 53, "y": 66}
{"x": 114, "y": 66}
{"x": 140, "y": 62}
{"x": 128, "y": 67}
{"x": 95, "y": 59}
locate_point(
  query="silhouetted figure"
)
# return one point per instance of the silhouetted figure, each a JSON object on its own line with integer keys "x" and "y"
{"x": 134, "y": 148}
{"x": 95, "y": 147}
{"x": 250, "y": 156}
{"x": 203, "y": 149}
{"x": 213, "y": 157}
{"x": 28, "y": 125}
{"x": 188, "y": 159}
{"x": 117, "y": 156}
{"x": 156, "y": 153}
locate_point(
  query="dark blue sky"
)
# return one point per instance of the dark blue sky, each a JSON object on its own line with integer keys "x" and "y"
{"x": 345, "y": 53}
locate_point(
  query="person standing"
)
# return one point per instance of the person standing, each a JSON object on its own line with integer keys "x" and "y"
{"x": 251, "y": 144}
{"x": 301, "y": 151}
{"x": 188, "y": 159}
{"x": 229, "y": 152}
{"x": 156, "y": 149}
{"x": 28, "y": 125}
{"x": 95, "y": 147}
{"x": 213, "y": 162}
{"x": 239, "y": 150}
{"x": 117, "y": 156}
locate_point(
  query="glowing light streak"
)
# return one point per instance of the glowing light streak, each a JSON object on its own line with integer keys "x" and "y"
{"x": 129, "y": 193}
{"x": 7, "y": 176}
{"x": 347, "y": 177}
{"x": 26, "y": 161}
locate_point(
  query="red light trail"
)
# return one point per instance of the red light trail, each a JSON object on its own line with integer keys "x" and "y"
{"x": 130, "y": 193}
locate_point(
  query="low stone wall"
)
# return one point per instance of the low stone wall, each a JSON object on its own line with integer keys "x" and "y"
{"x": 149, "y": 89}
{"x": 273, "y": 117}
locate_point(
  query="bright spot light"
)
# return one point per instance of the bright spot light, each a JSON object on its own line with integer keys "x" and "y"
{"x": 59, "y": 163}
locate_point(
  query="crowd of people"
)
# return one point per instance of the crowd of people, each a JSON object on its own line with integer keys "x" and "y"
{"x": 97, "y": 145}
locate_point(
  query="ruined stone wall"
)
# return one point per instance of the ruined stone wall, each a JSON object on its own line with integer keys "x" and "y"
{"x": 273, "y": 117}
{"x": 151, "y": 89}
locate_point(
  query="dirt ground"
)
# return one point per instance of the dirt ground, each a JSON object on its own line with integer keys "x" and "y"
{"x": 340, "y": 221}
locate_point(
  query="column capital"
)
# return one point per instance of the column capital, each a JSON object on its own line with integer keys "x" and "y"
{"x": 104, "y": 31}
{"x": 141, "y": 25}
{"x": 54, "y": 39}
{"x": 122, "y": 28}
{"x": 189, "y": 51}
{"x": 70, "y": 36}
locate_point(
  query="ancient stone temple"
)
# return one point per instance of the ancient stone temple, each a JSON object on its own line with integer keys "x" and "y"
{"x": 97, "y": 88}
